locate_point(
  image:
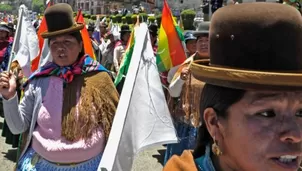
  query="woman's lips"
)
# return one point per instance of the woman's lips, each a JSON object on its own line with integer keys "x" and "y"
{"x": 288, "y": 163}
{"x": 62, "y": 56}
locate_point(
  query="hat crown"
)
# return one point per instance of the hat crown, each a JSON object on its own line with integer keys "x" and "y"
{"x": 125, "y": 28}
{"x": 153, "y": 27}
{"x": 203, "y": 26}
{"x": 265, "y": 37}
{"x": 189, "y": 36}
{"x": 59, "y": 17}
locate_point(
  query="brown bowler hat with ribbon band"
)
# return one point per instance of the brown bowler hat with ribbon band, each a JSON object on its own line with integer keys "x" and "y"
{"x": 59, "y": 20}
{"x": 258, "y": 49}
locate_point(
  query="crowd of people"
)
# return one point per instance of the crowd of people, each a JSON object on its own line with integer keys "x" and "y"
{"x": 235, "y": 101}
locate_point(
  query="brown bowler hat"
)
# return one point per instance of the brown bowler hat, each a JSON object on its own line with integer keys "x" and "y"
{"x": 260, "y": 48}
{"x": 59, "y": 20}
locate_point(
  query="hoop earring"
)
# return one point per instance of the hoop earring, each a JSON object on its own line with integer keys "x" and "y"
{"x": 215, "y": 148}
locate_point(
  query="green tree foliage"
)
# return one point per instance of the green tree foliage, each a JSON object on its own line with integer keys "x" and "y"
{"x": 119, "y": 18}
{"x": 38, "y": 6}
{"x": 93, "y": 17}
{"x": 143, "y": 17}
{"x": 113, "y": 18}
{"x": 124, "y": 20}
{"x": 129, "y": 19}
{"x": 134, "y": 18}
{"x": 6, "y": 8}
{"x": 187, "y": 17}
{"x": 151, "y": 19}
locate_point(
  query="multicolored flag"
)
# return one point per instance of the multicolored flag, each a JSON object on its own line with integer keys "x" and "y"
{"x": 126, "y": 59}
{"x": 85, "y": 36}
{"x": 170, "y": 51}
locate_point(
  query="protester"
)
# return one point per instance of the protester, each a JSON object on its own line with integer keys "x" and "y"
{"x": 120, "y": 46}
{"x": 5, "y": 45}
{"x": 153, "y": 29}
{"x": 94, "y": 43}
{"x": 119, "y": 51}
{"x": 184, "y": 91}
{"x": 107, "y": 52}
{"x": 103, "y": 30}
{"x": 250, "y": 105}
{"x": 190, "y": 41}
{"x": 11, "y": 30}
{"x": 68, "y": 106}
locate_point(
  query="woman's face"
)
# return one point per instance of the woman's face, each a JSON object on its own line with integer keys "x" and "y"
{"x": 102, "y": 29}
{"x": 65, "y": 49}
{"x": 202, "y": 45}
{"x": 263, "y": 132}
{"x": 126, "y": 37}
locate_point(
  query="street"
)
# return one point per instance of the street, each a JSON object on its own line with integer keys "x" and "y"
{"x": 148, "y": 160}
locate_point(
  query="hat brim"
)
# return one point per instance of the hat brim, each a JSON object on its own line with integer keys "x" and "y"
{"x": 125, "y": 31}
{"x": 74, "y": 28}
{"x": 190, "y": 38}
{"x": 198, "y": 33}
{"x": 2, "y": 28}
{"x": 245, "y": 79}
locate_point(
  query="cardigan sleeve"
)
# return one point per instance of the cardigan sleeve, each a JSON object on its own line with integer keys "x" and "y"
{"x": 175, "y": 87}
{"x": 19, "y": 116}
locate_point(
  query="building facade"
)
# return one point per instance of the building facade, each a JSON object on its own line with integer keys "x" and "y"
{"x": 179, "y": 4}
{"x": 72, "y": 3}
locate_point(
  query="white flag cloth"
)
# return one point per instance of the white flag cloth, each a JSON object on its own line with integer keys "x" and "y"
{"x": 142, "y": 118}
{"x": 28, "y": 42}
{"x": 115, "y": 30}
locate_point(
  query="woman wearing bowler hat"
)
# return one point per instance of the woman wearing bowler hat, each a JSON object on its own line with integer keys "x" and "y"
{"x": 68, "y": 105}
{"x": 251, "y": 109}
{"x": 120, "y": 46}
{"x": 184, "y": 91}
{"x": 119, "y": 51}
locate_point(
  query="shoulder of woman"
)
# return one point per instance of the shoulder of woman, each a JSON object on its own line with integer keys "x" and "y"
{"x": 97, "y": 76}
{"x": 185, "y": 162}
{"x": 99, "y": 79}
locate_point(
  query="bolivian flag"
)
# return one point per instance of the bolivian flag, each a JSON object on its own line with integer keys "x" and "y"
{"x": 170, "y": 50}
{"x": 127, "y": 56}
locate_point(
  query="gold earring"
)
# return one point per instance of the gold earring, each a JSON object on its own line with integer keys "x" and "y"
{"x": 215, "y": 148}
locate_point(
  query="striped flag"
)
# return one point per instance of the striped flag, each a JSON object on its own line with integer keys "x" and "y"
{"x": 126, "y": 58}
{"x": 85, "y": 36}
{"x": 170, "y": 51}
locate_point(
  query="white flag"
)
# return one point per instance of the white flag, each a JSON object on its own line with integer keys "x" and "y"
{"x": 142, "y": 118}
{"x": 27, "y": 42}
{"x": 115, "y": 30}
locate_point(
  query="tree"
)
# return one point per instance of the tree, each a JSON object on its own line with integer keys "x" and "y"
{"x": 6, "y": 8}
{"x": 38, "y": 6}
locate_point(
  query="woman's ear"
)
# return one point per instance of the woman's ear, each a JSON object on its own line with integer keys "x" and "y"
{"x": 211, "y": 120}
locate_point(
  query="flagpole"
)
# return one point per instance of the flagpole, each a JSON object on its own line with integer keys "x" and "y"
{"x": 12, "y": 54}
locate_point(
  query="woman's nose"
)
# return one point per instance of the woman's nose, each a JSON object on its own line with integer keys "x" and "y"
{"x": 291, "y": 131}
